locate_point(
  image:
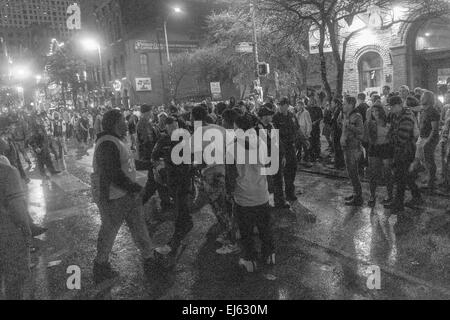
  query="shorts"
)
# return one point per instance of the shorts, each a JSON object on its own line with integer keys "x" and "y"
{"x": 382, "y": 151}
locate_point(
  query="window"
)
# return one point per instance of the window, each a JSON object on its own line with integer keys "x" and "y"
{"x": 143, "y": 61}
{"x": 370, "y": 68}
{"x": 434, "y": 35}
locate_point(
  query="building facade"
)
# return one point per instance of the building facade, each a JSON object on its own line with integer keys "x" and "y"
{"x": 134, "y": 59}
{"x": 414, "y": 53}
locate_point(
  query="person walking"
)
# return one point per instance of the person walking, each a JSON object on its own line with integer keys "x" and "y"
{"x": 119, "y": 199}
{"x": 15, "y": 234}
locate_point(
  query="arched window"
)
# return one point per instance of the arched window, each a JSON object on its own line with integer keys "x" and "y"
{"x": 370, "y": 68}
{"x": 434, "y": 35}
{"x": 143, "y": 60}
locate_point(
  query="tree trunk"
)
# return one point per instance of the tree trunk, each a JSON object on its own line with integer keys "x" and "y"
{"x": 323, "y": 62}
{"x": 63, "y": 94}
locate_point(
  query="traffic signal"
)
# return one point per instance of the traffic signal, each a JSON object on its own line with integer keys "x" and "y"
{"x": 263, "y": 69}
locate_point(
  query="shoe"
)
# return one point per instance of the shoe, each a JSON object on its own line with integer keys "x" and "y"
{"x": 103, "y": 272}
{"x": 356, "y": 202}
{"x": 394, "y": 207}
{"x": 372, "y": 203}
{"x": 222, "y": 239}
{"x": 414, "y": 203}
{"x": 283, "y": 206}
{"x": 228, "y": 249}
{"x": 349, "y": 198}
{"x": 27, "y": 180}
{"x": 387, "y": 201}
{"x": 249, "y": 266}
{"x": 36, "y": 231}
{"x": 291, "y": 198}
{"x": 55, "y": 173}
{"x": 270, "y": 261}
{"x": 155, "y": 269}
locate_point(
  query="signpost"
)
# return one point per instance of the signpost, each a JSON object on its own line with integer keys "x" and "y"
{"x": 244, "y": 47}
{"x": 143, "y": 84}
{"x": 216, "y": 91}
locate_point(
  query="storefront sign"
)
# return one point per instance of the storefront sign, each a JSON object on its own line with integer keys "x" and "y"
{"x": 144, "y": 45}
{"x": 443, "y": 76}
{"x": 143, "y": 84}
{"x": 74, "y": 20}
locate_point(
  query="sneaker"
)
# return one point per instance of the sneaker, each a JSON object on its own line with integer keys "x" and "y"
{"x": 291, "y": 198}
{"x": 283, "y": 205}
{"x": 387, "y": 201}
{"x": 372, "y": 203}
{"x": 349, "y": 198}
{"x": 228, "y": 249}
{"x": 356, "y": 202}
{"x": 154, "y": 269}
{"x": 36, "y": 231}
{"x": 249, "y": 266}
{"x": 222, "y": 239}
{"x": 271, "y": 260}
{"x": 394, "y": 207}
{"x": 103, "y": 272}
{"x": 56, "y": 172}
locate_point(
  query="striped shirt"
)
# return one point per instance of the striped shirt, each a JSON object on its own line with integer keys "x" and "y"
{"x": 401, "y": 135}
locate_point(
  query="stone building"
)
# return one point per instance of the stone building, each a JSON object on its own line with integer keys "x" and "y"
{"x": 416, "y": 53}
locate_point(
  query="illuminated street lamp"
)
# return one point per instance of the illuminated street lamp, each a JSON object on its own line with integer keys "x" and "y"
{"x": 176, "y": 10}
{"x": 90, "y": 44}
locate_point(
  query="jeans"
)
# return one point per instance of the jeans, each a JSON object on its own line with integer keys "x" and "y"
{"x": 352, "y": 159}
{"x": 113, "y": 214}
{"x": 403, "y": 178}
{"x": 429, "y": 150}
{"x": 378, "y": 169}
{"x": 286, "y": 174}
{"x": 44, "y": 160}
{"x": 315, "y": 143}
{"x": 180, "y": 186}
{"x": 338, "y": 153}
{"x": 249, "y": 217}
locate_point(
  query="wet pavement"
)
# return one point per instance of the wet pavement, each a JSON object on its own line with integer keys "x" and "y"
{"x": 329, "y": 257}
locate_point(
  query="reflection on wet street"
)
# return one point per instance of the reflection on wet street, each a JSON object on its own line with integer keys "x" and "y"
{"x": 332, "y": 257}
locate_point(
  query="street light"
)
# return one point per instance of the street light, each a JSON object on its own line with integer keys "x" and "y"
{"x": 92, "y": 45}
{"x": 176, "y": 10}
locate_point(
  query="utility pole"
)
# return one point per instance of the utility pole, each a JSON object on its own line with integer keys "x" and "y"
{"x": 255, "y": 39}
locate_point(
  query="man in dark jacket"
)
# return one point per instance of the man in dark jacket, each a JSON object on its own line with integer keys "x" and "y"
{"x": 288, "y": 126}
{"x": 179, "y": 181}
{"x": 119, "y": 198}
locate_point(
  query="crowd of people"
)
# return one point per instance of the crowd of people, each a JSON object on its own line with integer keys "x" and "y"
{"x": 389, "y": 138}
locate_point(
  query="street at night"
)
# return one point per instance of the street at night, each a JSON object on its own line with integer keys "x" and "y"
{"x": 224, "y": 151}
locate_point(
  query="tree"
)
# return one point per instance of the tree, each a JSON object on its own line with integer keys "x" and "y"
{"x": 181, "y": 66}
{"x": 332, "y": 19}
{"x": 282, "y": 47}
{"x": 63, "y": 70}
